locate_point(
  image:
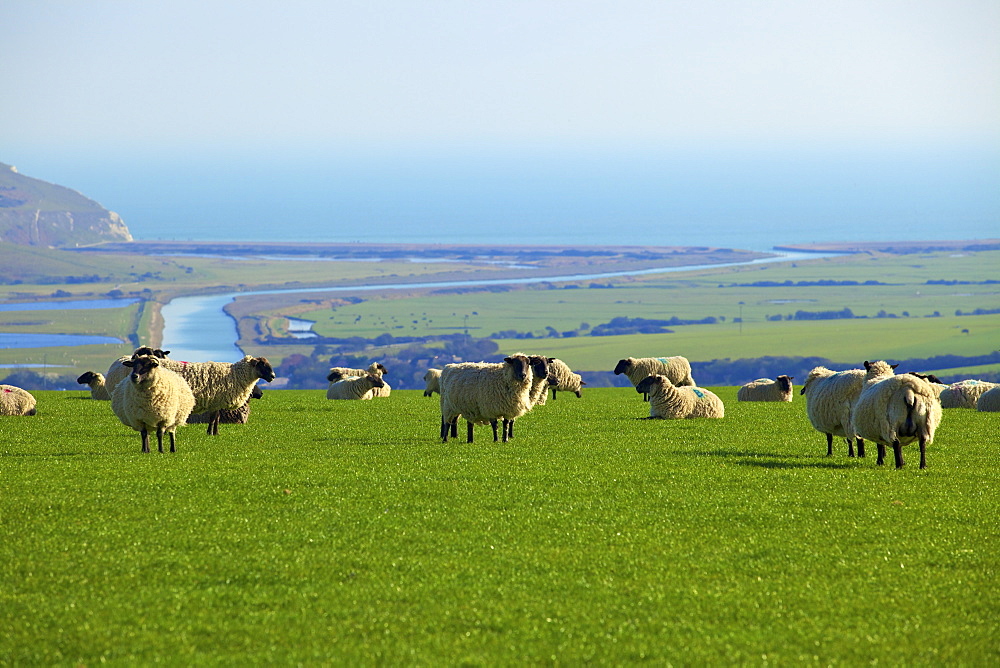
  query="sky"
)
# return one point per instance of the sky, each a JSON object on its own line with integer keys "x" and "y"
{"x": 100, "y": 92}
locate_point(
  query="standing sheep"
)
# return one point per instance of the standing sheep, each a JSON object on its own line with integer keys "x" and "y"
{"x": 353, "y": 387}
{"x": 989, "y": 401}
{"x": 894, "y": 411}
{"x": 239, "y": 415}
{"x": 830, "y": 395}
{"x": 765, "y": 389}
{"x": 219, "y": 386}
{"x": 118, "y": 371}
{"x": 98, "y": 388}
{"x": 541, "y": 378}
{"x": 484, "y": 393}
{"x": 15, "y": 401}
{"x": 965, "y": 393}
{"x": 432, "y": 382}
{"x": 669, "y": 402}
{"x": 566, "y": 380}
{"x": 677, "y": 369}
{"x": 152, "y": 398}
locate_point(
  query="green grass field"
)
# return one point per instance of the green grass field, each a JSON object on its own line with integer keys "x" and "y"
{"x": 346, "y": 533}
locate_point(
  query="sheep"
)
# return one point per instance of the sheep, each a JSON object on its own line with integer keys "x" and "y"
{"x": 152, "y": 398}
{"x": 566, "y": 380}
{"x": 15, "y": 401}
{"x": 117, "y": 371}
{"x": 354, "y": 387}
{"x": 541, "y": 378}
{"x": 896, "y": 410}
{"x": 484, "y": 393}
{"x": 677, "y": 369}
{"x": 98, "y": 387}
{"x": 669, "y": 402}
{"x": 219, "y": 386}
{"x": 229, "y": 416}
{"x": 830, "y": 395}
{"x": 989, "y": 401}
{"x": 936, "y": 384}
{"x": 376, "y": 368}
{"x": 432, "y": 382}
{"x": 964, "y": 394}
{"x": 765, "y": 389}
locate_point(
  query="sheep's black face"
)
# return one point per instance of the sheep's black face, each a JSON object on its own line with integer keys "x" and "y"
{"x": 376, "y": 381}
{"x": 264, "y": 370}
{"x": 141, "y": 367}
{"x": 622, "y": 367}
{"x": 645, "y": 385}
{"x": 539, "y": 366}
{"x": 519, "y": 365}
{"x": 86, "y": 378}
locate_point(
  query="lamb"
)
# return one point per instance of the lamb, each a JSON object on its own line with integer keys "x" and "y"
{"x": 894, "y": 411}
{"x": 229, "y": 416}
{"x": 830, "y": 396}
{"x": 117, "y": 372}
{"x": 677, "y": 369}
{"x": 669, "y": 402}
{"x": 965, "y": 393}
{"x": 765, "y": 389}
{"x": 989, "y": 401}
{"x": 484, "y": 393}
{"x": 152, "y": 398}
{"x": 353, "y": 387}
{"x": 219, "y": 386}
{"x": 432, "y": 382}
{"x": 15, "y": 401}
{"x": 98, "y": 386}
{"x": 566, "y": 380}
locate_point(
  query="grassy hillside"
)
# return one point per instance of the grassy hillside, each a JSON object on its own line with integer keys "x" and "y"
{"x": 344, "y": 532}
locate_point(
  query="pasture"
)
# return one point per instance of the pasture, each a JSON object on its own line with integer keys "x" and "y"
{"x": 346, "y": 533}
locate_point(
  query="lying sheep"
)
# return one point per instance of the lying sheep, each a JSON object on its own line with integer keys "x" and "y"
{"x": 117, "y": 371}
{"x": 432, "y": 382}
{"x": 16, "y": 402}
{"x": 219, "y": 386}
{"x": 484, "y": 393}
{"x": 152, "y": 397}
{"x": 830, "y": 395}
{"x": 353, "y": 387}
{"x": 98, "y": 387}
{"x": 989, "y": 401}
{"x": 231, "y": 415}
{"x": 566, "y": 380}
{"x": 669, "y": 402}
{"x": 894, "y": 411}
{"x": 376, "y": 368}
{"x": 765, "y": 389}
{"x": 676, "y": 369}
{"x": 965, "y": 393}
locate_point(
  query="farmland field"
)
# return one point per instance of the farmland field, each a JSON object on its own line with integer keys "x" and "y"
{"x": 346, "y": 533}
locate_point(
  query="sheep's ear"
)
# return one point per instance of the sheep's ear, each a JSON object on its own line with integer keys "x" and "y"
{"x": 508, "y": 360}
{"x": 165, "y": 352}
{"x": 127, "y": 363}
{"x": 867, "y": 365}
{"x": 893, "y": 365}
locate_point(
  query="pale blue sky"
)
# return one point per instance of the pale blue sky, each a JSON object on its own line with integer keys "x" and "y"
{"x": 662, "y": 121}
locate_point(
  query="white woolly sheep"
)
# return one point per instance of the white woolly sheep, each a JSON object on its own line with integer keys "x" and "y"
{"x": 677, "y": 369}
{"x": 16, "y": 402}
{"x": 98, "y": 388}
{"x": 239, "y": 415}
{"x": 376, "y": 368}
{"x": 989, "y": 401}
{"x": 965, "y": 393}
{"x": 541, "y": 378}
{"x": 894, "y": 411}
{"x": 219, "y": 386}
{"x": 152, "y": 398}
{"x": 830, "y": 395}
{"x": 669, "y": 402}
{"x": 765, "y": 389}
{"x": 354, "y": 387}
{"x": 566, "y": 380}
{"x": 117, "y": 371}
{"x": 484, "y": 393}
{"x": 432, "y": 382}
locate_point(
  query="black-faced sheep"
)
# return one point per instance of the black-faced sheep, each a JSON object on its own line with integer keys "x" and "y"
{"x": 15, "y": 401}
{"x": 152, "y": 398}
{"x": 765, "y": 389}
{"x": 239, "y": 415}
{"x": 669, "y": 402}
{"x": 98, "y": 387}
{"x": 219, "y": 386}
{"x": 677, "y": 369}
{"x": 566, "y": 380}
{"x": 432, "y": 382}
{"x": 830, "y": 395}
{"x": 353, "y": 387}
{"x": 484, "y": 393}
{"x": 117, "y": 371}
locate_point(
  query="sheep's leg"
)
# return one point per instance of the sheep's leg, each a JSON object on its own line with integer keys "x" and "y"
{"x": 923, "y": 453}
{"x": 468, "y": 431}
{"x": 173, "y": 444}
{"x": 145, "y": 440}
{"x": 508, "y": 430}
{"x": 213, "y": 423}
{"x": 493, "y": 423}
{"x": 861, "y": 446}
{"x": 454, "y": 428}
{"x": 850, "y": 447}
{"x": 881, "y": 454}
{"x": 159, "y": 437}
{"x": 444, "y": 430}
{"x": 553, "y": 394}
{"x": 897, "y": 451}
{"x": 829, "y": 445}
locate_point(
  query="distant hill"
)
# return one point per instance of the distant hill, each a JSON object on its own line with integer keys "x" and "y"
{"x": 37, "y": 213}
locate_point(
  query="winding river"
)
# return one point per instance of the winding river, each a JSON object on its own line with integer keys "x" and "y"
{"x": 196, "y": 329}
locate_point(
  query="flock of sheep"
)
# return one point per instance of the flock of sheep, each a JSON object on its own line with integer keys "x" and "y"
{"x": 871, "y": 404}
